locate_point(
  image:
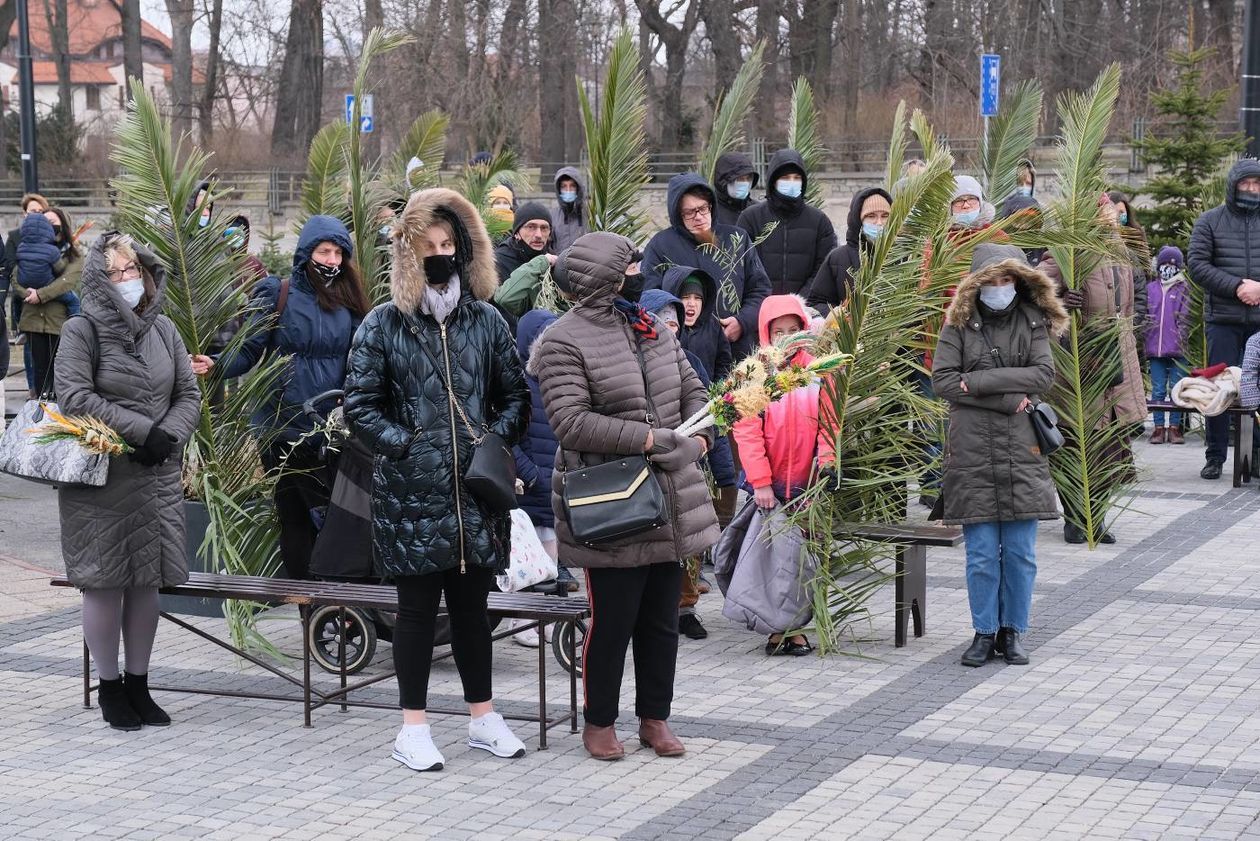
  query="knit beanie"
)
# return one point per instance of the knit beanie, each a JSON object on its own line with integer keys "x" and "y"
{"x": 873, "y": 203}
{"x": 1171, "y": 254}
{"x": 529, "y": 212}
{"x": 965, "y": 185}
{"x": 691, "y": 286}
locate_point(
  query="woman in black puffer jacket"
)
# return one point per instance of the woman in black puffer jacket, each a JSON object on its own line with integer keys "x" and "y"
{"x": 428, "y": 532}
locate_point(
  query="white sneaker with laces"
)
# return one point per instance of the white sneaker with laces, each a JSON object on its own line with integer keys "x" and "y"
{"x": 490, "y": 732}
{"x": 527, "y": 638}
{"x": 414, "y": 748}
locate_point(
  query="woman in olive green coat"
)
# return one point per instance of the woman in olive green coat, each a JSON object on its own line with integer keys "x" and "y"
{"x": 43, "y": 314}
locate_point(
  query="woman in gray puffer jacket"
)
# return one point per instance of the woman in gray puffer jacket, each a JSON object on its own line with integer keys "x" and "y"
{"x": 991, "y": 363}
{"x": 595, "y": 390}
{"x": 124, "y": 363}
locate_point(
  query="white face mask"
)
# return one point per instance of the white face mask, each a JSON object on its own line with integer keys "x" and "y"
{"x": 997, "y": 298}
{"x": 131, "y": 290}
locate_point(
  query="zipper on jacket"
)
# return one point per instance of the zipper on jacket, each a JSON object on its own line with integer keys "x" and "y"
{"x": 450, "y": 405}
{"x": 1163, "y": 310}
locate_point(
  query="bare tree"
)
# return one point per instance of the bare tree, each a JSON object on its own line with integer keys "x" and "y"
{"x": 58, "y": 16}
{"x": 559, "y": 121}
{"x": 301, "y": 87}
{"x": 210, "y": 88}
{"x": 183, "y": 14}
{"x": 675, "y": 39}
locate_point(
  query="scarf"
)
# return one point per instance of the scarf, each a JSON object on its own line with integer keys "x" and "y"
{"x": 639, "y": 318}
{"x": 441, "y": 302}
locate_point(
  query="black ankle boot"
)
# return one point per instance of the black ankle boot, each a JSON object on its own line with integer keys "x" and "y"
{"x": 980, "y": 652}
{"x": 115, "y": 708}
{"x": 150, "y": 713}
{"x": 1073, "y": 533}
{"x": 1013, "y": 651}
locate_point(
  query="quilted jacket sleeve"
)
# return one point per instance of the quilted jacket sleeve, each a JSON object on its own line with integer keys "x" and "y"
{"x": 1202, "y": 270}
{"x": 509, "y": 393}
{"x": 76, "y": 386}
{"x": 567, "y": 398}
{"x": 184, "y": 412}
{"x": 694, "y": 395}
{"x": 367, "y": 392}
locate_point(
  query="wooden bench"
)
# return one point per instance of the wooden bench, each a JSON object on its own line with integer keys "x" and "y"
{"x": 1242, "y": 435}
{"x": 910, "y": 582}
{"x": 538, "y": 611}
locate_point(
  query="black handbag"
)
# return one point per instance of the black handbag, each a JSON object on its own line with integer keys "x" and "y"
{"x": 1045, "y": 424}
{"x": 491, "y": 473}
{"x": 617, "y": 499}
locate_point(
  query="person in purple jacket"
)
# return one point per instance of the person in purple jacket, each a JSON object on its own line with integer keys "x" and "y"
{"x": 1167, "y": 309}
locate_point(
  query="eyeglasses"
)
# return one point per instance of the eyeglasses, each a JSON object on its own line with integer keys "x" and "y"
{"x": 537, "y": 228}
{"x": 965, "y": 203}
{"x": 696, "y": 213}
{"x": 128, "y": 272}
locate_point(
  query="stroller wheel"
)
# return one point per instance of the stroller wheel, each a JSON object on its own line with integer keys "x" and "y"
{"x": 560, "y": 638}
{"x": 325, "y": 634}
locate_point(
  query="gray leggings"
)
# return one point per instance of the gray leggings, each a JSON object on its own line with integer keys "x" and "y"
{"x": 133, "y": 613}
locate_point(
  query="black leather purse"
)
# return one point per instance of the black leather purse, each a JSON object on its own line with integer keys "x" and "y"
{"x": 617, "y": 499}
{"x": 1045, "y": 424}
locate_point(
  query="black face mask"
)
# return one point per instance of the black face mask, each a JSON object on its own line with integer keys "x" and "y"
{"x": 632, "y": 287}
{"x": 326, "y": 273}
{"x": 440, "y": 268}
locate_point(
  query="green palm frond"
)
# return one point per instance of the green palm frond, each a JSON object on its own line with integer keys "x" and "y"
{"x": 1010, "y": 135}
{"x": 805, "y": 136}
{"x": 326, "y": 185}
{"x": 475, "y": 181}
{"x": 425, "y": 141}
{"x": 616, "y": 142}
{"x": 896, "y": 149}
{"x": 727, "y": 132}
{"x": 925, "y": 134}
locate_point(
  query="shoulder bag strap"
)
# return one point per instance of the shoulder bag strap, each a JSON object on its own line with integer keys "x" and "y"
{"x": 993, "y": 349}
{"x": 450, "y": 392}
{"x": 282, "y": 300}
{"x": 652, "y": 417}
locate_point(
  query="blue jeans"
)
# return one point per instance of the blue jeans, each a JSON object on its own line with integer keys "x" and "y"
{"x": 1001, "y": 569}
{"x": 1166, "y": 372}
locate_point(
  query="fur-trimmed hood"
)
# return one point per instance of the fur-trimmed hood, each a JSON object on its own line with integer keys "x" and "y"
{"x": 473, "y": 251}
{"x": 1035, "y": 289}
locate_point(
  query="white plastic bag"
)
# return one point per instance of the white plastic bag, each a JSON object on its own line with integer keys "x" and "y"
{"x": 530, "y": 564}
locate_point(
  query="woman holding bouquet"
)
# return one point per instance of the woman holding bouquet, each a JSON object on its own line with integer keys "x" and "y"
{"x": 124, "y": 364}
{"x": 594, "y": 367}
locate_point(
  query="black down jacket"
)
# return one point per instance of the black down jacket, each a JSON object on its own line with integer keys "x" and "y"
{"x": 830, "y": 286}
{"x": 423, "y": 520}
{"x": 1224, "y": 249}
{"x": 802, "y": 238}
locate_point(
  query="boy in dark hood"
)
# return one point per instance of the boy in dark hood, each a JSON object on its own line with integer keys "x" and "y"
{"x": 868, "y": 215}
{"x": 734, "y": 179}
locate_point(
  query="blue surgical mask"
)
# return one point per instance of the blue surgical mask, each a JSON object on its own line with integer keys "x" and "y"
{"x": 1024, "y": 189}
{"x": 1122, "y": 218}
{"x": 568, "y": 196}
{"x": 872, "y": 232}
{"x": 968, "y": 218}
{"x": 788, "y": 189}
{"x": 739, "y": 190}
{"x": 997, "y": 298}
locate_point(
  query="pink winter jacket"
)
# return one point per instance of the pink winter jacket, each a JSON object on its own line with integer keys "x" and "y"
{"x": 780, "y": 447}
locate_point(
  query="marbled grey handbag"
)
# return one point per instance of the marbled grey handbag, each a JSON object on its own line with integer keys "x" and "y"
{"x": 61, "y": 463}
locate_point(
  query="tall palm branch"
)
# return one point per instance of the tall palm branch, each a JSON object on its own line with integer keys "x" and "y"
{"x": 424, "y": 141}
{"x": 616, "y": 142}
{"x": 733, "y": 106}
{"x": 805, "y": 136}
{"x": 897, "y": 144}
{"x": 1010, "y": 135}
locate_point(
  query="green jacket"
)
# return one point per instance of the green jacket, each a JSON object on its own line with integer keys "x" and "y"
{"x": 48, "y": 316}
{"x": 519, "y": 293}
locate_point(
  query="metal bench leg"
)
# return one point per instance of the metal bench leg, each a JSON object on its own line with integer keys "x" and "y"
{"x": 1239, "y": 467}
{"x": 87, "y": 678}
{"x": 911, "y": 592}
{"x": 542, "y": 685}
{"x": 1246, "y": 435}
{"x": 305, "y": 614}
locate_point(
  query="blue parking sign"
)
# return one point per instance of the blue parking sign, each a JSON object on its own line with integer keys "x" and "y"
{"x": 990, "y": 79}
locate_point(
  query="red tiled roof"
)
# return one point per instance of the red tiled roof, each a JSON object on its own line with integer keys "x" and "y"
{"x": 81, "y": 73}
{"x": 91, "y": 23}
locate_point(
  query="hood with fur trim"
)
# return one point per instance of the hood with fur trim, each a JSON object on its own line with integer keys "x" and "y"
{"x": 474, "y": 254}
{"x": 1035, "y": 289}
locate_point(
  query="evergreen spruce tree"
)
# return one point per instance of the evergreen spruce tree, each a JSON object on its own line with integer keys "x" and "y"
{"x": 1185, "y": 149}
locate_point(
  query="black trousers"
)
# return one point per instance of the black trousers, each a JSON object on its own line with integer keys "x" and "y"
{"x": 640, "y": 606}
{"x": 1226, "y": 343}
{"x": 43, "y": 357}
{"x": 304, "y": 484}
{"x": 418, "y": 597}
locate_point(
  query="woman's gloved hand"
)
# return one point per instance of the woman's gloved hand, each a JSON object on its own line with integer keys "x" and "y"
{"x": 156, "y": 448}
{"x": 672, "y": 451}
{"x": 1073, "y": 299}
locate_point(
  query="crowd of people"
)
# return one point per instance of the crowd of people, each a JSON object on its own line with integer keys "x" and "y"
{"x": 604, "y": 375}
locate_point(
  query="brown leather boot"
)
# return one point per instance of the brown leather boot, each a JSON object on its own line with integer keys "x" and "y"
{"x": 655, "y": 734}
{"x": 602, "y": 742}
{"x": 1157, "y": 437}
{"x": 1175, "y": 435}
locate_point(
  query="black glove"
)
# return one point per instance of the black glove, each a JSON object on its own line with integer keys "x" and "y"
{"x": 830, "y": 477}
{"x": 673, "y": 451}
{"x": 1073, "y": 299}
{"x": 156, "y": 448}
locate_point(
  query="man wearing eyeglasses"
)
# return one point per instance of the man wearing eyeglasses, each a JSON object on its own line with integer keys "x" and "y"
{"x": 724, "y": 252}
{"x": 531, "y": 236}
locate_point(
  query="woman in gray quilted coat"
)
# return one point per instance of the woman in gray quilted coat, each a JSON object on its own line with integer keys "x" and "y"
{"x": 594, "y": 366}
{"x": 124, "y": 363}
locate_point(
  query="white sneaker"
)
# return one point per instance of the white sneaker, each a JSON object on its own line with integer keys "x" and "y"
{"x": 528, "y": 638}
{"x": 414, "y": 748}
{"x": 490, "y": 732}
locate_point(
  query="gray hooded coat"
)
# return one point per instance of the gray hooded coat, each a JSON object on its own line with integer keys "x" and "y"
{"x": 132, "y": 372}
{"x": 994, "y": 469}
{"x": 568, "y": 221}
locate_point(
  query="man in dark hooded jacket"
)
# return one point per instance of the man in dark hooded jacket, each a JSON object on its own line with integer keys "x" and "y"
{"x": 868, "y": 215}
{"x": 741, "y": 288}
{"x": 568, "y": 220}
{"x": 1225, "y": 261}
{"x": 734, "y": 179}
{"x": 531, "y": 236}
{"x": 803, "y": 235}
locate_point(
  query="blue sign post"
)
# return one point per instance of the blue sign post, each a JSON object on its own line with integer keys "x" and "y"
{"x": 367, "y": 120}
{"x": 990, "y": 79}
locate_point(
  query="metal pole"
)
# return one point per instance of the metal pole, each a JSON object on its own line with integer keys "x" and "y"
{"x": 1249, "y": 105}
{"x": 26, "y": 101}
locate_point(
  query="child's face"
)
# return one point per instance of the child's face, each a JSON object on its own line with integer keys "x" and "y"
{"x": 785, "y": 325}
{"x": 692, "y": 304}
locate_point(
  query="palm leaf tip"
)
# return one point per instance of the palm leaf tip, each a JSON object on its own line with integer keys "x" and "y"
{"x": 733, "y": 107}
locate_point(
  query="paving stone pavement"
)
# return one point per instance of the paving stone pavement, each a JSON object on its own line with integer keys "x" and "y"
{"x": 1139, "y": 716}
